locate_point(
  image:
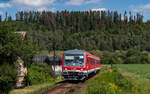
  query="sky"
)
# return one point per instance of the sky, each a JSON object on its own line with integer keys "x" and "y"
{"x": 135, "y": 6}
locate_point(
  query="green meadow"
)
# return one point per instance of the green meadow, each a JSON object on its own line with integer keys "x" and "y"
{"x": 142, "y": 70}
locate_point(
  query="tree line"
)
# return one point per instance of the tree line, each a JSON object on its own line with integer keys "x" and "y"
{"x": 77, "y": 21}
{"x": 89, "y": 30}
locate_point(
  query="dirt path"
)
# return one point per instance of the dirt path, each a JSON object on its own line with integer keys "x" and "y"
{"x": 67, "y": 87}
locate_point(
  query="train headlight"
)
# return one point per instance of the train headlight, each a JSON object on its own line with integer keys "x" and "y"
{"x": 65, "y": 68}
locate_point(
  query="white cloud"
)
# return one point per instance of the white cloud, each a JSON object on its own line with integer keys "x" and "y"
{"x": 140, "y": 8}
{"x": 34, "y": 3}
{"x": 4, "y": 5}
{"x": 81, "y": 2}
{"x": 98, "y": 9}
{"x": 91, "y": 1}
{"x": 75, "y": 2}
{"x": 46, "y": 9}
{"x": 135, "y": 8}
{"x": 147, "y": 6}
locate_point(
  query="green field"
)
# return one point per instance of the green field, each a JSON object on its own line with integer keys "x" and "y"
{"x": 129, "y": 79}
{"x": 143, "y": 70}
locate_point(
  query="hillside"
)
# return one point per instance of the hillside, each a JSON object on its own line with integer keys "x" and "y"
{"x": 89, "y": 30}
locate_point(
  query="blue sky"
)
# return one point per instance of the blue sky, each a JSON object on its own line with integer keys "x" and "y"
{"x": 12, "y": 6}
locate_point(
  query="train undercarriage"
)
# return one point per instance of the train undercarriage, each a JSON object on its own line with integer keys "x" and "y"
{"x": 77, "y": 75}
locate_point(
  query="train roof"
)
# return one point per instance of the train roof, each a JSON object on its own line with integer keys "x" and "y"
{"x": 75, "y": 51}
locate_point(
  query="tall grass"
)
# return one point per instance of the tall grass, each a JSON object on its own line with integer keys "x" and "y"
{"x": 34, "y": 89}
{"x": 111, "y": 82}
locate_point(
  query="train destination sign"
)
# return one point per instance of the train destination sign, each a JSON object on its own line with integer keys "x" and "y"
{"x": 69, "y": 57}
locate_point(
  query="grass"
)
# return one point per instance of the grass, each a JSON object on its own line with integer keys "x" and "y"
{"x": 143, "y": 84}
{"x": 36, "y": 89}
{"x": 143, "y": 70}
{"x": 33, "y": 89}
{"x": 129, "y": 79}
{"x": 111, "y": 81}
{"x": 139, "y": 74}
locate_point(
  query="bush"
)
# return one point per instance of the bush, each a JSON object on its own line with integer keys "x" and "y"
{"x": 132, "y": 52}
{"x": 8, "y": 76}
{"x": 132, "y": 60}
{"x": 137, "y": 60}
{"x": 38, "y": 74}
{"x": 144, "y": 59}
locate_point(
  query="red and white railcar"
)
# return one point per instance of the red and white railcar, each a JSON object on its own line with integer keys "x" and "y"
{"x": 78, "y": 64}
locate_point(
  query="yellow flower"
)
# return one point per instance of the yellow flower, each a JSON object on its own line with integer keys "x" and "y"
{"x": 112, "y": 85}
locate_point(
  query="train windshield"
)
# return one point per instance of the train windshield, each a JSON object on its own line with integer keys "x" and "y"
{"x": 74, "y": 60}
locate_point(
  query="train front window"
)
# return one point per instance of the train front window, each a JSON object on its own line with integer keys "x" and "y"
{"x": 74, "y": 60}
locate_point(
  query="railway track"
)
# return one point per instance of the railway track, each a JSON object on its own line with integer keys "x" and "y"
{"x": 69, "y": 87}
{"x": 65, "y": 87}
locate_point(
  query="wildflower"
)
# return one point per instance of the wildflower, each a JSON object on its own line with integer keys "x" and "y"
{"x": 112, "y": 85}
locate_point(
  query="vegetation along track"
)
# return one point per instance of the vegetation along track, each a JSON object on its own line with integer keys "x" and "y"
{"x": 70, "y": 87}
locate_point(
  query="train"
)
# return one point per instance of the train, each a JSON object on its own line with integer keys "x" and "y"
{"x": 79, "y": 64}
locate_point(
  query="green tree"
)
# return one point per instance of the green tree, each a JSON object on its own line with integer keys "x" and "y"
{"x": 12, "y": 46}
{"x": 7, "y": 78}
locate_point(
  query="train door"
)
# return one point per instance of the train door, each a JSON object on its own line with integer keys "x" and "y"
{"x": 87, "y": 64}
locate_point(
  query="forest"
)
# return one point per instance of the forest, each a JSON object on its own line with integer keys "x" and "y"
{"x": 88, "y": 30}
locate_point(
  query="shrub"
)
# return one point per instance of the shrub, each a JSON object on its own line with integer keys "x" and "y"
{"x": 38, "y": 74}
{"x": 132, "y": 52}
{"x": 132, "y": 60}
{"x": 8, "y": 77}
{"x": 144, "y": 59}
{"x": 119, "y": 60}
{"x": 110, "y": 60}
{"x": 137, "y": 60}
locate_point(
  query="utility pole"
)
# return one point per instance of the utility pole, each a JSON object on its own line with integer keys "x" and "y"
{"x": 54, "y": 48}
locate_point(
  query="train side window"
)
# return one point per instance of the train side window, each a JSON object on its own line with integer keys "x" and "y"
{"x": 93, "y": 61}
{"x": 88, "y": 61}
{"x": 97, "y": 62}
